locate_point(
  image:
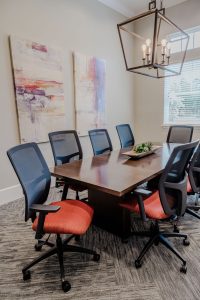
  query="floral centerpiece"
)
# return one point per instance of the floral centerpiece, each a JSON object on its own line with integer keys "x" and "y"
{"x": 143, "y": 147}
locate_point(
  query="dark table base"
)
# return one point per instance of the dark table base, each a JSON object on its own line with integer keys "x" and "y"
{"x": 108, "y": 215}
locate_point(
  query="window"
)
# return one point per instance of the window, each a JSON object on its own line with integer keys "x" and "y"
{"x": 194, "y": 41}
{"x": 182, "y": 93}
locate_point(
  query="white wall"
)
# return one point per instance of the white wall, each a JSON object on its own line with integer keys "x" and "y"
{"x": 149, "y": 92}
{"x": 86, "y": 26}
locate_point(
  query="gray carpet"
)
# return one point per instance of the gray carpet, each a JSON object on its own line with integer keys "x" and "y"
{"x": 113, "y": 278}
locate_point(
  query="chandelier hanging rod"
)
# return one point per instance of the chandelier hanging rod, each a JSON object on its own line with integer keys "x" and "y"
{"x": 153, "y": 5}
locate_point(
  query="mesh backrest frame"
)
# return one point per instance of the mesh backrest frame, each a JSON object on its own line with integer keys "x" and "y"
{"x": 66, "y": 158}
{"x": 35, "y": 189}
{"x": 123, "y": 141}
{"x": 194, "y": 171}
{"x": 180, "y": 129}
{"x": 94, "y": 133}
{"x": 179, "y": 185}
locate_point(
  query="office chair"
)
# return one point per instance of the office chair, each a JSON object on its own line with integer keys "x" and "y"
{"x": 167, "y": 203}
{"x": 183, "y": 134}
{"x": 66, "y": 147}
{"x": 60, "y": 217}
{"x": 193, "y": 186}
{"x": 125, "y": 135}
{"x": 100, "y": 141}
{"x": 180, "y": 134}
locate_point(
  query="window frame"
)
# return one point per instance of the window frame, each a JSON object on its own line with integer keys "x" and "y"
{"x": 193, "y": 55}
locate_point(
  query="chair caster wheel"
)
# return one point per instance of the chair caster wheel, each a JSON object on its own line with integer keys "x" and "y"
{"x": 125, "y": 240}
{"x": 186, "y": 242}
{"x": 196, "y": 208}
{"x": 176, "y": 229}
{"x": 183, "y": 269}
{"x": 77, "y": 238}
{"x": 66, "y": 286}
{"x": 26, "y": 275}
{"x": 38, "y": 247}
{"x": 96, "y": 257}
{"x": 156, "y": 243}
{"x": 138, "y": 264}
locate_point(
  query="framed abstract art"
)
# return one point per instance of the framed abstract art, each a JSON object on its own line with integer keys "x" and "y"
{"x": 38, "y": 79}
{"x": 89, "y": 77}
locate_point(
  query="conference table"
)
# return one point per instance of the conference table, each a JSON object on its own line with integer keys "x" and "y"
{"x": 110, "y": 178}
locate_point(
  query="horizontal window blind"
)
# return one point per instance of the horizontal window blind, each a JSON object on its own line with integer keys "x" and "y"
{"x": 182, "y": 95}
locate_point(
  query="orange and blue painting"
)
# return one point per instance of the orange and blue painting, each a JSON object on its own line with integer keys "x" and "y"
{"x": 89, "y": 76}
{"x": 38, "y": 78}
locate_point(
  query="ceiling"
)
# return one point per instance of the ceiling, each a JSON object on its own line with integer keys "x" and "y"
{"x": 130, "y": 8}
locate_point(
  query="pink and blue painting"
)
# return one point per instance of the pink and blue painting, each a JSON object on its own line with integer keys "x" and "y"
{"x": 89, "y": 76}
{"x": 38, "y": 78}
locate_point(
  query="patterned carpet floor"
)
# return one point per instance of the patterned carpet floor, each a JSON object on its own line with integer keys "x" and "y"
{"x": 114, "y": 277}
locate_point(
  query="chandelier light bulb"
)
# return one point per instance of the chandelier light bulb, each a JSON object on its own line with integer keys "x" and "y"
{"x": 163, "y": 48}
{"x": 144, "y": 47}
{"x": 148, "y": 42}
{"x": 169, "y": 46}
{"x": 168, "y": 50}
{"x": 164, "y": 43}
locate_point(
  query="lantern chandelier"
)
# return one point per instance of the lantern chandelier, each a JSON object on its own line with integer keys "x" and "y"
{"x": 152, "y": 45}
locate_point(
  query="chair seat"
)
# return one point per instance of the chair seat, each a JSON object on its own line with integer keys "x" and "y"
{"x": 74, "y": 217}
{"x": 152, "y": 205}
{"x": 189, "y": 188}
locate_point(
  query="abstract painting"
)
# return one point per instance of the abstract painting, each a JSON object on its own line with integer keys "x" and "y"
{"x": 38, "y": 78}
{"x": 89, "y": 76}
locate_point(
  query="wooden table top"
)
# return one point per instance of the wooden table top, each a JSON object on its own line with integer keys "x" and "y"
{"x": 114, "y": 173}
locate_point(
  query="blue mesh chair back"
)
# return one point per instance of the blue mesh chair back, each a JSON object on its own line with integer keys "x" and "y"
{"x": 33, "y": 174}
{"x": 100, "y": 141}
{"x": 180, "y": 134}
{"x": 173, "y": 181}
{"x": 125, "y": 135}
{"x": 65, "y": 146}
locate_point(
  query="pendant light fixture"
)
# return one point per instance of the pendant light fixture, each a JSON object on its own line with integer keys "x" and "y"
{"x": 152, "y": 44}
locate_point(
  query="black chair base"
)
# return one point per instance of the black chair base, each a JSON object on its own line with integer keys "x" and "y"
{"x": 41, "y": 243}
{"x": 191, "y": 211}
{"x": 156, "y": 237}
{"x": 59, "y": 249}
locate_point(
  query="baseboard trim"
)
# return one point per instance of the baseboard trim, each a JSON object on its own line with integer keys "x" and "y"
{"x": 10, "y": 194}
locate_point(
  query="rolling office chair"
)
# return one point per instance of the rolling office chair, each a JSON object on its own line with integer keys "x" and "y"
{"x": 100, "y": 141}
{"x": 60, "y": 217}
{"x": 66, "y": 147}
{"x": 193, "y": 186}
{"x": 183, "y": 134}
{"x": 180, "y": 134}
{"x": 177, "y": 134}
{"x": 167, "y": 203}
{"x": 125, "y": 135}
